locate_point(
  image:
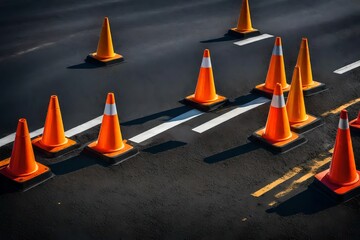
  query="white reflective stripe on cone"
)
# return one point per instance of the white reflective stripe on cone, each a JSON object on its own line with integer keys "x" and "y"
{"x": 343, "y": 124}
{"x": 277, "y": 50}
{"x": 206, "y": 62}
{"x": 110, "y": 109}
{"x": 278, "y": 101}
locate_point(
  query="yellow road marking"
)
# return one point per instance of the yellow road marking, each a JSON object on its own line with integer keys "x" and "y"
{"x": 272, "y": 203}
{"x": 338, "y": 109}
{"x": 314, "y": 166}
{"x": 292, "y": 173}
{"x": 295, "y": 184}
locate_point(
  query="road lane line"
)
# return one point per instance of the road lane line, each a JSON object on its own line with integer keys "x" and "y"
{"x": 10, "y": 138}
{"x": 290, "y": 174}
{"x": 83, "y": 127}
{"x": 348, "y": 67}
{"x": 166, "y": 126}
{"x": 253, "y": 39}
{"x": 339, "y": 109}
{"x": 231, "y": 114}
{"x": 295, "y": 184}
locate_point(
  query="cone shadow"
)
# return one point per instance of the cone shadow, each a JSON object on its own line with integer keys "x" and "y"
{"x": 73, "y": 164}
{"x": 226, "y": 37}
{"x": 307, "y": 202}
{"x": 84, "y": 65}
{"x": 233, "y": 152}
{"x": 162, "y": 147}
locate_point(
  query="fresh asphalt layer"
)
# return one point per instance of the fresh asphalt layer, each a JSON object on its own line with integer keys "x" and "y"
{"x": 183, "y": 184}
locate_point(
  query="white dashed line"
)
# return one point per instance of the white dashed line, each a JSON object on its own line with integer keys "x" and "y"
{"x": 253, "y": 39}
{"x": 229, "y": 115}
{"x": 348, "y": 67}
{"x": 166, "y": 126}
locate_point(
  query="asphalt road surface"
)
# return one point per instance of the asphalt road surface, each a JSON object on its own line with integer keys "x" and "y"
{"x": 183, "y": 184}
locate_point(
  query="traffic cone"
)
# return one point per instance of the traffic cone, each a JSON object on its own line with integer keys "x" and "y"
{"x": 309, "y": 86}
{"x": 23, "y": 170}
{"x": 355, "y": 124}
{"x": 205, "y": 97}
{"x": 53, "y": 142}
{"x": 276, "y": 73}
{"x": 110, "y": 145}
{"x": 105, "y": 54}
{"x": 299, "y": 121}
{"x": 341, "y": 180}
{"x": 244, "y": 27}
{"x": 276, "y": 135}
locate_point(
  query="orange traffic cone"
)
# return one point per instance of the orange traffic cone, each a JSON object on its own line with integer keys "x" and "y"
{"x": 53, "y": 142}
{"x": 277, "y": 135}
{"x": 205, "y": 97}
{"x": 110, "y": 145}
{"x": 276, "y": 72}
{"x": 244, "y": 27}
{"x": 355, "y": 124}
{"x": 105, "y": 54}
{"x": 309, "y": 86}
{"x": 341, "y": 180}
{"x": 295, "y": 106}
{"x": 23, "y": 170}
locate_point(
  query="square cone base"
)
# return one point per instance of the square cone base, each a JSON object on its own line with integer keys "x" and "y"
{"x": 113, "y": 158}
{"x": 311, "y": 123}
{"x": 243, "y": 34}
{"x": 54, "y": 151}
{"x": 338, "y": 193}
{"x": 27, "y": 182}
{"x": 278, "y": 147}
{"x": 93, "y": 58}
{"x": 260, "y": 89}
{"x": 315, "y": 88}
{"x": 354, "y": 127}
{"x": 205, "y": 107}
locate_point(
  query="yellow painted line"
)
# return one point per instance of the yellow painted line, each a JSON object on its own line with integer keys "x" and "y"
{"x": 338, "y": 109}
{"x": 313, "y": 169}
{"x": 272, "y": 203}
{"x": 4, "y": 162}
{"x": 292, "y": 173}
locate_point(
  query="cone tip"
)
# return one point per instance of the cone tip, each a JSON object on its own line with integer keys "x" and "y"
{"x": 110, "y": 99}
{"x": 278, "y": 90}
{"x": 344, "y": 114}
{"x": 278, "y": 41}
{"x": 304, "y": 42}
{"x": 22, "y": 128}
{"x": 206, "y": 53}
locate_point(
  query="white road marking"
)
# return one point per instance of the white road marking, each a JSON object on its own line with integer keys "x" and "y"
{"x": 83, "y": 127}
{"x": 166, "y": 126}
{"x": 10, "y": 138}
{"x": 34, "y": 48}
{"x": 231, "y": 114}
{"x": 253, "y": 39}
{"x": 348, "y": 67}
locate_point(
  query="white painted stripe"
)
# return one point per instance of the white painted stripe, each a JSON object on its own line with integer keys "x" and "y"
{"x": 83, "y": 127}
{"x": 277, "y": 51}
{"x": 348, "y": 67}
{"x": 166, "y": 126}
{"x": 231, "y": 114}
{"x": 110, "y": 109}
{"x": 343, "y": 124}
{"x": 253, "y": 39}
{"x": 10, "y": 138}
{"x": 206, "y": 62}
{"x": 278, "y": 101}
